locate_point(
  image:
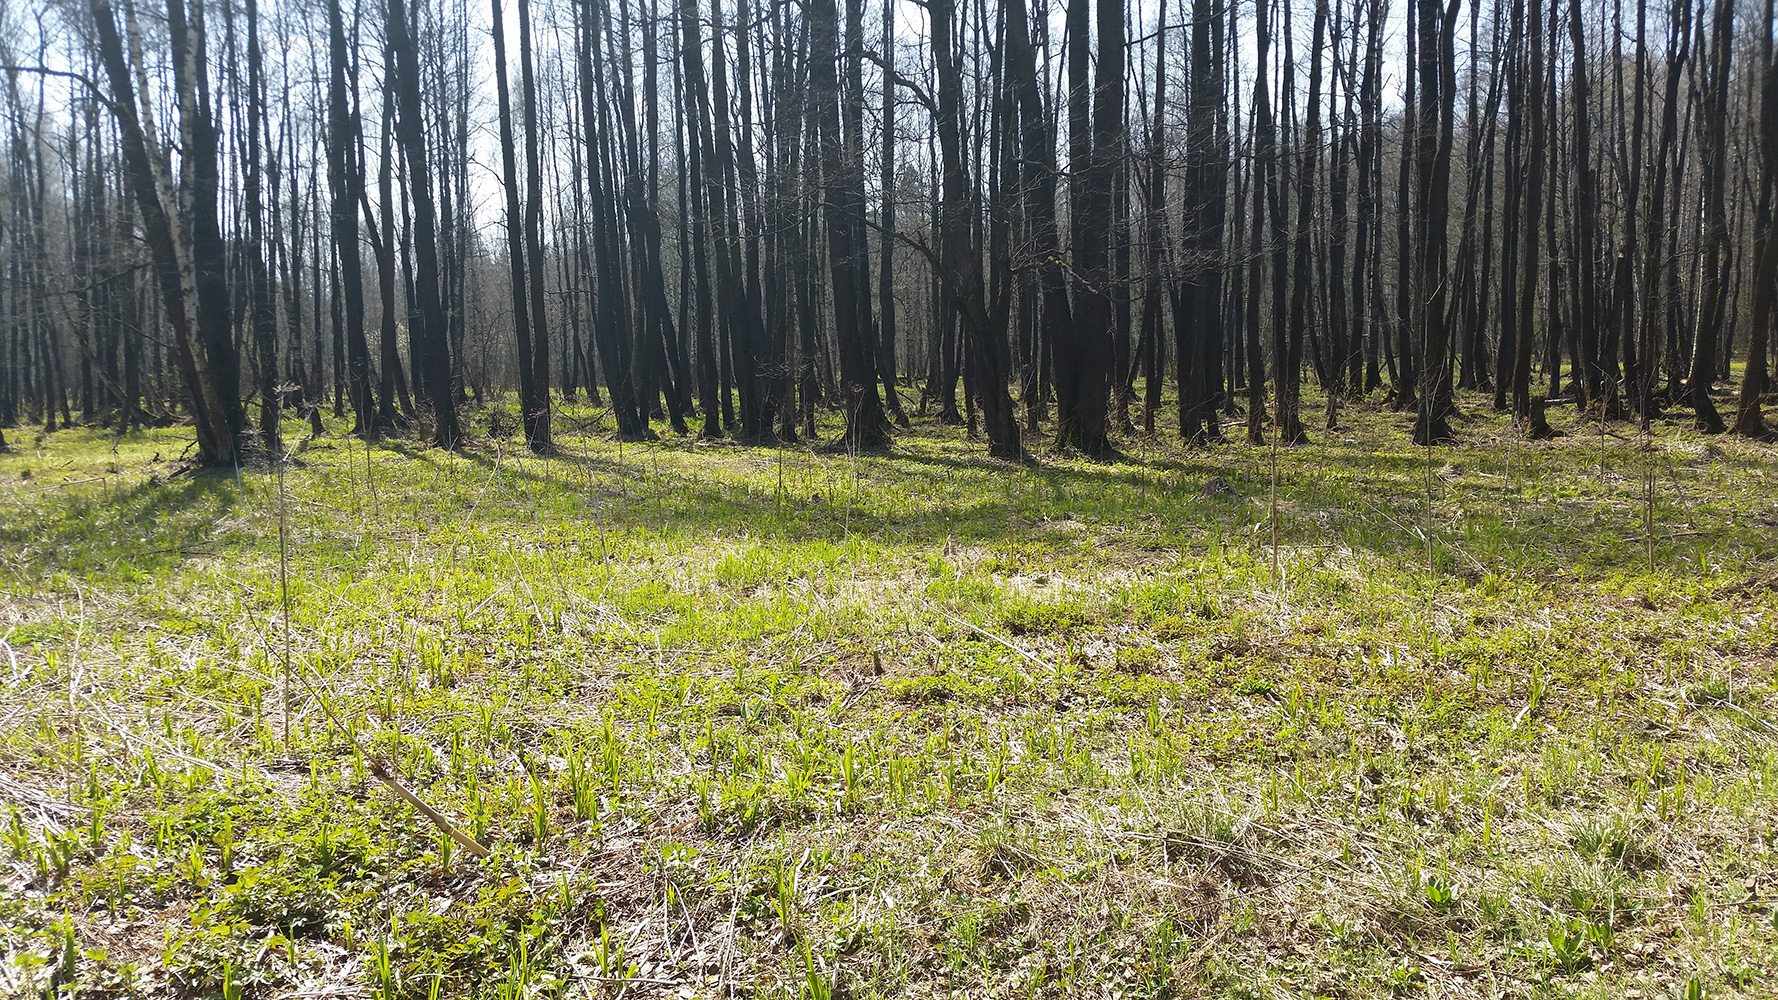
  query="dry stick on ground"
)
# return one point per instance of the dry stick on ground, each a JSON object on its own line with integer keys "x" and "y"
{"x": 587, "y": 977}
{"x": 438, "y": 819}
{"x": 468, "y": 843}
{"x": 984, "y": 633}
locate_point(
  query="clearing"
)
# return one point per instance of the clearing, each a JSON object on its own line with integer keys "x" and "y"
{"x": 786, "y": 722}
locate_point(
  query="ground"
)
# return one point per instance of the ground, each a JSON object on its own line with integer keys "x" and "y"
{"x": 1352, "y": 719}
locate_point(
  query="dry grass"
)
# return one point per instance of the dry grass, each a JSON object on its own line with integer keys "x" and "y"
{"x": 744, "y": 722}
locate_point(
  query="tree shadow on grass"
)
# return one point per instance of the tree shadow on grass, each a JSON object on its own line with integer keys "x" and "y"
{"x": 907, "y": 499}
{"x": 1366, "y": 502}
{"x": 150, "y": 525}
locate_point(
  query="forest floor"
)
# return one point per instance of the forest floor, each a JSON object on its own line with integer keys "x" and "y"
{"x": 791, "y": 723}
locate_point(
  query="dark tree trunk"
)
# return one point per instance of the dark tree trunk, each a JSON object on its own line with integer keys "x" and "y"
{"x": 410, "y": 129}
{"x": 1038, "y": 153}
{"x": 886, "y": 360}
{"x": 691, "y": 111}
{"x": 1290, "y": 425}
{"x": 152, "y": 186}
{"x": 1095, "y": 132}
{"x": 537, "y": 413}
{"x": 1749, "y": 419}
{"x": 1438, "y": 92}
{"x": 1339, "y": 224}
{"x": 1597, "y": 369}
{"x": 1154, "y": 286}
{"x": 1640, "y": 364}
{"x": 263, "y": 310}
{"x": 1367, "y": 273}
{"x": 867, "y": 428}
{"x": 1262, "y": 149}
{"x": 1713, "y": 293}
{"x": 515, "y": 232}
{"x": 201, "y": 167}
{"x": 1526, "y": 307}
{"x": 960, "y": 256}
{"x": 1197, "y": 306}
{"x": 345, "y": 178}
{"x": 738, "y": 309}
{"x": 1407, "y": 302}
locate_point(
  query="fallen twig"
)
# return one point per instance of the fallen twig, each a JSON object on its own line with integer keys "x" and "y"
{"x": 984, "y": 633}
{"x": 438, "y": 819}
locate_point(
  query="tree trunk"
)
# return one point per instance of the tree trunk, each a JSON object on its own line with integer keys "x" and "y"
{"x": 960, "y": 258}
{"x": 1154, "y": 232}
{"x": 200, "y": 165}
{"x": 1095, "y": 129}
{"x": 886, "y": 360}
{"x": 515, "y": 231}
{"x": 537, "y": 413}
{"x": 521, "y": 324}
{"x": 345, "y": 178}
{"x": 1433, "y": 153}
{"x": 410, "y": 129}
{"x": 1593, "y": 362}
{"x": 1533, "y": 202}
{"x": 148, "y": 173}
{"x": 264, "y": 312}
{"x": 1290, "y": 425}
{"x": 1713, "y": 294}
{"x": 1038, "y": 156}
{"x": 867, "y": 428}
{"x": 1749, "y": 419}
{"x": 1197, "y": 307}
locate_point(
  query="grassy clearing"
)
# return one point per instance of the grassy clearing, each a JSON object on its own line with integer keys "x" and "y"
{"x": 792, "y": 723}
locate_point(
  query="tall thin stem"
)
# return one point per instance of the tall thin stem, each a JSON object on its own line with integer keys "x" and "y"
{"x": 284, "y": 593}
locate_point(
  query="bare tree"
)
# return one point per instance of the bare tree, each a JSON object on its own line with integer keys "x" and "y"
{"x": 410, "y": 130}
{"x": 1749, "y": 419}
{"x": 149, "y": 174}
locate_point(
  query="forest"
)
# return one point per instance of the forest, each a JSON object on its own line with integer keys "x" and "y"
{"x": 792, "y": 498}
{"x": 732, "y": 221}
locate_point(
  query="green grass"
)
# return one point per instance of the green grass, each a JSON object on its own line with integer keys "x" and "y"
{"x": 786, "y": 722}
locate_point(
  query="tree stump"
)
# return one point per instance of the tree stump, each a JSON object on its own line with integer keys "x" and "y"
{"x": 1540, "y": 423}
